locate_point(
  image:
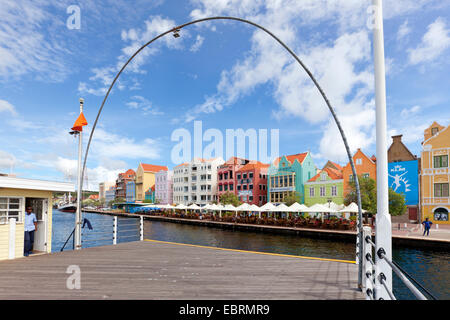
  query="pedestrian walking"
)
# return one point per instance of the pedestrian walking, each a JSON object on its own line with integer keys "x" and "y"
{"x": 427, "y": 224}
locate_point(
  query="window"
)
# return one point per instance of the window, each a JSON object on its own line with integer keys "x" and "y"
{"x": 358, "y": 161}
{"x": 250, "y": 187}
{"x": 441, "y": 189}
{"x": 250, "y": 175}
{"x": 434, "y": 131}
{"x": 11, "y": 208}
{"x": 238, "y": 176}
{"x": 322, "y": 191}
{"x": 231, "y": 187}
{"x": 323, "y": 176}
{"x": 333, "y": 191}
{"x": 244, "y": 187}
{"x": 365, "y": 175}
{"x": 225, "y": 187}
{"x": 231, "y": 174}
{"x": 225, "y": 176}
{"x": 244, "y": 176}
{"x": 220, "y": 176}
{"x": 441, "y": 161}
{"x": 239, "y": 188}
{"x": 220, "y": 187}
{"x": 311, "y": 192}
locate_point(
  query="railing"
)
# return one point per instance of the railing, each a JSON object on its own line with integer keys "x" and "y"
{"x": 370, "y": 276}
{"x": 125, "y": 229}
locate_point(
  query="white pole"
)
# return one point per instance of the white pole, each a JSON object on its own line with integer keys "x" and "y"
{"x": 141, "y": 228}
{"x": 12, "y": 238}
{"x": 383, "y": 219}
{"x": 115, "y": 230}
{"x": 77, "y": 234}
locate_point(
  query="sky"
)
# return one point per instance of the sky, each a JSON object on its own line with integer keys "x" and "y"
{"x": 226, "y": 74}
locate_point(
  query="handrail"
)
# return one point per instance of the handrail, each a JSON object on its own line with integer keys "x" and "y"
{"x": 382, "y": 255}
{"x": 368, "y": 243}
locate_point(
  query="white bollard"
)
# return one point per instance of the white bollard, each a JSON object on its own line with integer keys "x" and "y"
{"x": 115, "y": 230}
{"x": 141, "y": 229}
{"x": 12, "y": 238}
{"x": 437, "y": 226}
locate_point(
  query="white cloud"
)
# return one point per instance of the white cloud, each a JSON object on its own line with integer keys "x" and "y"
{"x": 407, "y": 112}
{"x": 5, "y": 106}
{"x": 141, "y": 103}
{"x": 403, "y": 30}
{"x": 435, "y": 41}
{"x": 7, "y": 160}
{"x": 133, "y": 39}
{"x": 198, "y": 43}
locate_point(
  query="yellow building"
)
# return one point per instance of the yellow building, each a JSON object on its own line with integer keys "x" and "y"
{"x": 145, "y": 178}
{"x": 435, "y": 174}
{"x": 15, "y": 195}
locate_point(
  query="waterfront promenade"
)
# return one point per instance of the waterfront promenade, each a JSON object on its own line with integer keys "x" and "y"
{"x": 411, "y": 235}
{"x": 161, "y": 270}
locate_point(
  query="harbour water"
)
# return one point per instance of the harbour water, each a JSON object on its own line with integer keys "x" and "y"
{"x": 428, "y": 267}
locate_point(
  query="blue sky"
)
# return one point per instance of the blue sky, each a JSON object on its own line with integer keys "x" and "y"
{"x": 228, "y": 75}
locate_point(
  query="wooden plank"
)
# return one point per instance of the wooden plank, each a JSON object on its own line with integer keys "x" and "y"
{"x": 156, "y": 270}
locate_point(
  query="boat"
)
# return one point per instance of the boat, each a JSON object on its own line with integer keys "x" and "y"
{"x": 68, "y": 207}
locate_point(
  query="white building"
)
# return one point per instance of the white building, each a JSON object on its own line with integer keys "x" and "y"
{"x": 196, "y": 182}
{"x": 164, "y": 187}
{"x": 102, "y": 187}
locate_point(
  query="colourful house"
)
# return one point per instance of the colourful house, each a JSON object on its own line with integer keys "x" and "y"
{"x": 145, "y": 178}
{"x": 435, "y": 174}
{"x": 365, "y": 167}
{"x": 130, "y": 191}
{"x": 150, "y": 194}
{"x": 324, "y": 187}
{"x": 288, "y": 175}
{"x": 15, "y": 195}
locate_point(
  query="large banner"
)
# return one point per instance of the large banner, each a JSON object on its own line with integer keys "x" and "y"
{"x": 404, "y": 178}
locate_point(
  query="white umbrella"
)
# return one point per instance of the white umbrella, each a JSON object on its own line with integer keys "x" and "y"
{"x": 254, "y": 207}
{"x": 281, "y": 208}
{"x": 229, "y": 207}
{"x": 267, "y": 207}
{"x": 243, "y": 207}
{"x": 296, "y": 207}
{"x": 352, "y": 208}
{"x": 194, "y": 207}
{"x": 181, "y": 207}
{"x": 207, "y": 207}
{"x": 333, "y": 206}
{"x": 319, "y": 208}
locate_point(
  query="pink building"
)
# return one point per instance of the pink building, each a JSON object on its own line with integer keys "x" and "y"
{"x": 164, "y": 187}
{"x": 226, "y": 175}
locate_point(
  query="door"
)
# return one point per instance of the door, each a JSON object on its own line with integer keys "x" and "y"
{"x": 40, "y": 208}
{"x": 412, "y": 212}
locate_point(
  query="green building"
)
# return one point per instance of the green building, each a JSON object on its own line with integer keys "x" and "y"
{"x": 150, "y": 194}
{"x": 324, "y": 187}
{"x": 288, "y": 174}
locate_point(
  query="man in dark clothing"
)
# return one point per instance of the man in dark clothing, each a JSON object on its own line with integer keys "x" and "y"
{"x": 427, "y": 225}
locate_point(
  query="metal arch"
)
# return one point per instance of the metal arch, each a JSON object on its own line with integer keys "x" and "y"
{"x": 178, "y": 28}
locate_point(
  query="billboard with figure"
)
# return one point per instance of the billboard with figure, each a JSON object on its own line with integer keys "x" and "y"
{"x": 404, "y": 178}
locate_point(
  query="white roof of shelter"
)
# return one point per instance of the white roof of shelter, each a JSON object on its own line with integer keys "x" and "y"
{"x": 243, "y": 207}
{"x": 229, "y": 207}
{"x": 297, "y": 207}
{"x": 194, "y": 207}
{"x": 352, "y": 207}
{"x": 33, "y": 184}
{"x": 254, "y": 207}
{"x": 319, "y": 208}
{"x": 267, "y": 207}
{"x": 281, "y": 208}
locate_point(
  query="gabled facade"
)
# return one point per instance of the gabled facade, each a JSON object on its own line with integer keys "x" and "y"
{"x": 288, "y": 174}
{"x": 145, "y": 178}
{"x": 365, "y": 167}
{"x": 121, "y": 183}
{"x": 164, "y": 187}
{"x": 251, "y": 183}
{"x": 435, "y": 174}
{"x": 403, "y": 175}
{"x": 324, "y": 187}
{"x": 226, "y": 175}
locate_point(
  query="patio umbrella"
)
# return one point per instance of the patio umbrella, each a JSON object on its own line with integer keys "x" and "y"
{"x": 267, "y": 207}
{"x": 352, "y": 208}
{"x": 229, "y": 207}
{"x": 296, "y": 207}
{"x": 194, "y": 207}
{"x": 243, "y": 207}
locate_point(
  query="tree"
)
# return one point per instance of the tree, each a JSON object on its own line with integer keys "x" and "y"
{"x": 368, "y": 189}
{"x": 229, "y": 198}
{"x": 292, "y": 198}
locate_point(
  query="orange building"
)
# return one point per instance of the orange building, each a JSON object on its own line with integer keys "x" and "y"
{"x": 435, "y": 174}
{"x": 365, "y": 167}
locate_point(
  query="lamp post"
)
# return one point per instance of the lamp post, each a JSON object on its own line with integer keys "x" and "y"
{"x": 383, "y": 239}
{"x": 77, "y": 234}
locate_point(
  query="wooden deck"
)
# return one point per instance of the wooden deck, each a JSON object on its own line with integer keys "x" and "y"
{"x": 161, "y": 270}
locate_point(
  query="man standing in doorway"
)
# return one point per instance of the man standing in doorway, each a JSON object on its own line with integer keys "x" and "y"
{"x": 30, "y": 228}
{"x": 427, "y": 224}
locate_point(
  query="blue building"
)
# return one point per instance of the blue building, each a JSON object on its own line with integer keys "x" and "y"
{"x": 288, "y": 175}
{"x": 404, "y": 178}
{"x": 131, "y": 191}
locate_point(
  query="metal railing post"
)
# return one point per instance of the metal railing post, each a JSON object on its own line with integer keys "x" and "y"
{"x": 141, "y": 228}
{"x": 366, "y": 264}
{"x": 115, "y": 230}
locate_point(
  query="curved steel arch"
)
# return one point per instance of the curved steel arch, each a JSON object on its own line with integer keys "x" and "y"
{"x": 176, "y": 29}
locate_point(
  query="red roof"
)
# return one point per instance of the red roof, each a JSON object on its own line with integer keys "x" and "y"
{"x": 254, "y": 165}
{"x": 336, "y": 165}
{"x": 291, "y": 158}
{"x": 182, "y": 164}
{"x": 236, "y": 160}
{"x": 153, "y": 167}
{"x": 332, "y": 173}
{"x": 130, "y": 172}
